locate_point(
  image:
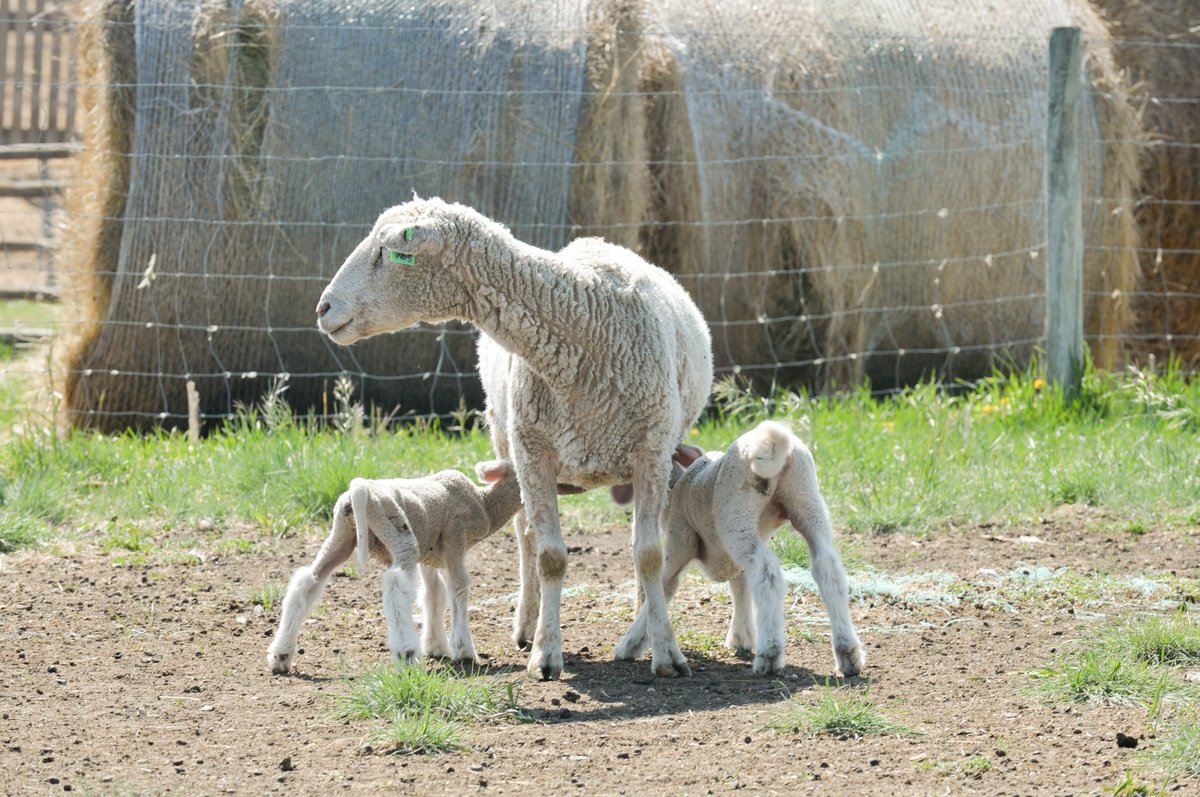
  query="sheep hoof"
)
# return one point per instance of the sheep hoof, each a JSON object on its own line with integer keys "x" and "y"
{"x": 850, "y": 662}
{"x": 523, "y": 644}
{"x": 280, "y": 663}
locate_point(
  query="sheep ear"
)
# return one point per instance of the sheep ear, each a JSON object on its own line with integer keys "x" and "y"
{"x": 422, "y": 237}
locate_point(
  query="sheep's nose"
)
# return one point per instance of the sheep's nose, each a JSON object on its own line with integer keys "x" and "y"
{"x": 322, "y": 309}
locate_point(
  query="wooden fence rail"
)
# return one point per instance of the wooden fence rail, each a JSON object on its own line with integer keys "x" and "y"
{"x": 37, "y": 97}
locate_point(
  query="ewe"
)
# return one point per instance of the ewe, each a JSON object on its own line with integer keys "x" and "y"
{"x": 595, "y": 364}
{"x": 723, "y": 510}
{"x": 431, "y": 522}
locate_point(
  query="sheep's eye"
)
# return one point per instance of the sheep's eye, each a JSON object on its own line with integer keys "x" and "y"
{"x": 400, "y": 258}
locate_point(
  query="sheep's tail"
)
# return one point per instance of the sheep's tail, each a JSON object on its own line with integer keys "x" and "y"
{"x": 359, "y": 492}
{"x": 770, "y": 449}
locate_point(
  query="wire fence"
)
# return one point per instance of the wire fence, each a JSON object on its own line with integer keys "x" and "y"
{"x": 848, "y": 196}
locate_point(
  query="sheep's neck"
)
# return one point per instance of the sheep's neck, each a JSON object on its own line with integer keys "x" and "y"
{"x": 501, "y": 501}
{"x": 529, "y": 303}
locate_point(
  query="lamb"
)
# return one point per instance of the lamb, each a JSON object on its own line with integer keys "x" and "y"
{"x": 430, "y": 522}
{"x": 723, "y": 510}
{"x": 594, "y": 364}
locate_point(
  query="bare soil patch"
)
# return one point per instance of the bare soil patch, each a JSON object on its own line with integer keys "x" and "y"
{"x": 126, "y": 677}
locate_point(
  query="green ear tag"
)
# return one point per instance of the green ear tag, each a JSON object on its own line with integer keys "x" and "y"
{"x": 400, "y": 258}
{"x": 408, "y": 234}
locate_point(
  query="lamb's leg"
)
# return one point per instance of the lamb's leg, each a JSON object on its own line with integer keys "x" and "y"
{"x": 763, "y": 579}
{"x": 306, "y": 587}
{"x": 812, "y": 521}
{"x": 650, "y": 498}
{"x": 461, "y": 646}
{"x": 540, "y": 499}
{"x": 528, "y": 598}
{"x": 399, "y": 592}
{"x": 764, "y": 575}
{"x": 681, "y": 550}
{"x": 433, "y": 593}
{"x": 741, "y": 626}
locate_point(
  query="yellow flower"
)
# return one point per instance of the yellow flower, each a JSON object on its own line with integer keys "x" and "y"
{"x": 1039, "y": 383}
{"x": 694, "y": 433}
{"x": 888, "y": 426}
{"x": 988, "y": 408}
{"x": 1004, "y": 400}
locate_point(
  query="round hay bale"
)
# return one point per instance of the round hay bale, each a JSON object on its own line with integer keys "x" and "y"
{"x": 855, "y": 190}
{"x": 1157, "y": 43}
{"x": 267, "y": 137}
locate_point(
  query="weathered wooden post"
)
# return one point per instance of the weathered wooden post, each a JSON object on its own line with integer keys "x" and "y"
{"x": 1064, "y": 215}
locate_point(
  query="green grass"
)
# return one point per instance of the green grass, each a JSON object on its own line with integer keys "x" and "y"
{"x": 1130, "y": 663}
{"x": 837, "y": 712}
{"x": 1006, "y": 450}
{"x": 1178, "y": 753}
{"x": 28, "y": 313}
{"x": 1100, "y": 677}
{"x": 425, "y": 710}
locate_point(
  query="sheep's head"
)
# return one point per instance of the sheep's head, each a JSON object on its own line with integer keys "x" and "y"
{"x": 393, "y": 279}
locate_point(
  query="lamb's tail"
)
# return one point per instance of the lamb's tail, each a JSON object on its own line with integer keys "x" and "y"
{"x": 359, "y": 492}
{"x": 770, "y": 449}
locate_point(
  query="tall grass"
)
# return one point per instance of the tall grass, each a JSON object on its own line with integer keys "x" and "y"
{"x": 1003, "y": 450}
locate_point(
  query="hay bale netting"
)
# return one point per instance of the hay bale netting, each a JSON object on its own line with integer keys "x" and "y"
{"x": 855, "y": 189}
{"x": 1157, "y": 42}
{"x": 267, "y": 137}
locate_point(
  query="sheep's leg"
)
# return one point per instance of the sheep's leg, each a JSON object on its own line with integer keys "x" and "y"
{"x": 681, "y": 550}
{"x": 399, "y": 592}
{"x": 528, "y": 598}
{"x": 433, "y": 594}
{"x": 741, "y": 626}
{"x": 540, "y": 498}
{"x": 306, "y": 587}
{"x": 461, "y": 646}
{"x": 813, "y": 523}
{"x": 650, "y": 498}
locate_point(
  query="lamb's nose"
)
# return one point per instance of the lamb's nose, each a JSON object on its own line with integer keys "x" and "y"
{"x": 322, "y": 309}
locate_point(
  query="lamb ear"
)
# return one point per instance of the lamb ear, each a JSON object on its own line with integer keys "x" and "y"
{"x": 491, "y": 471}
{"x": 422, "y": 237}
{"x": 686, "y": 454}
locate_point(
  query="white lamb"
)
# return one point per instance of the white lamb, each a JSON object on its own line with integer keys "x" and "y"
{"x": 430, "y": 522}
{"x": 594, "y": 362}
{"x": 723, "y": 510}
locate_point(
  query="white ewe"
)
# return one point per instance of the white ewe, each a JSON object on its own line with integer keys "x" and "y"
{"x": 723, "y": 510}
{"x": 595, "y": 364}
{"x": 431, "y": 522}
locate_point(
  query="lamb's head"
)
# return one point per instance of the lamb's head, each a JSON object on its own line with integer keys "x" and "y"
{"x": 397, "y": 277}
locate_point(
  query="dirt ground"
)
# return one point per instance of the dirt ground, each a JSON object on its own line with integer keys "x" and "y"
{"x": 125, "y": 677}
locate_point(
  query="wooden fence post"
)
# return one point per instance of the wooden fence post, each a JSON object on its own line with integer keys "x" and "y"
{"x": 1064, "y": 215}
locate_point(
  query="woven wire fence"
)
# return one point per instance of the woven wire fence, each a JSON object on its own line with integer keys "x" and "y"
{"x": 849, "y": 196}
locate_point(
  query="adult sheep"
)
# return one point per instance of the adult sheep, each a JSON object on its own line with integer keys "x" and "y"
{"x": 594, "y": 363}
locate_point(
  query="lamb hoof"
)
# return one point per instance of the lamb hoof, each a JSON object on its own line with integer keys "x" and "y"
{"x": 674, "y": 665}
{"x": 768, "y": 663}
{"x": 850, "y": 662}
{"x": 523, "y": 644}
{"x": 406, "y": 658}
{"x": 630, "y": 648}
{"x": 280, "y": 663}
{"x": 546, "y": 666}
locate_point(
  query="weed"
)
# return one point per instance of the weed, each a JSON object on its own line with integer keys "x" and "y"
{"x": 1177, "y": 753}
{"x": 836, "y": 713}
{"x": 1102, "y": 676}
{"x": 268, "y": 595}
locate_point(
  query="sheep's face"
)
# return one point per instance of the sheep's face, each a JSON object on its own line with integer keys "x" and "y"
{"x": 391, "y": 281}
